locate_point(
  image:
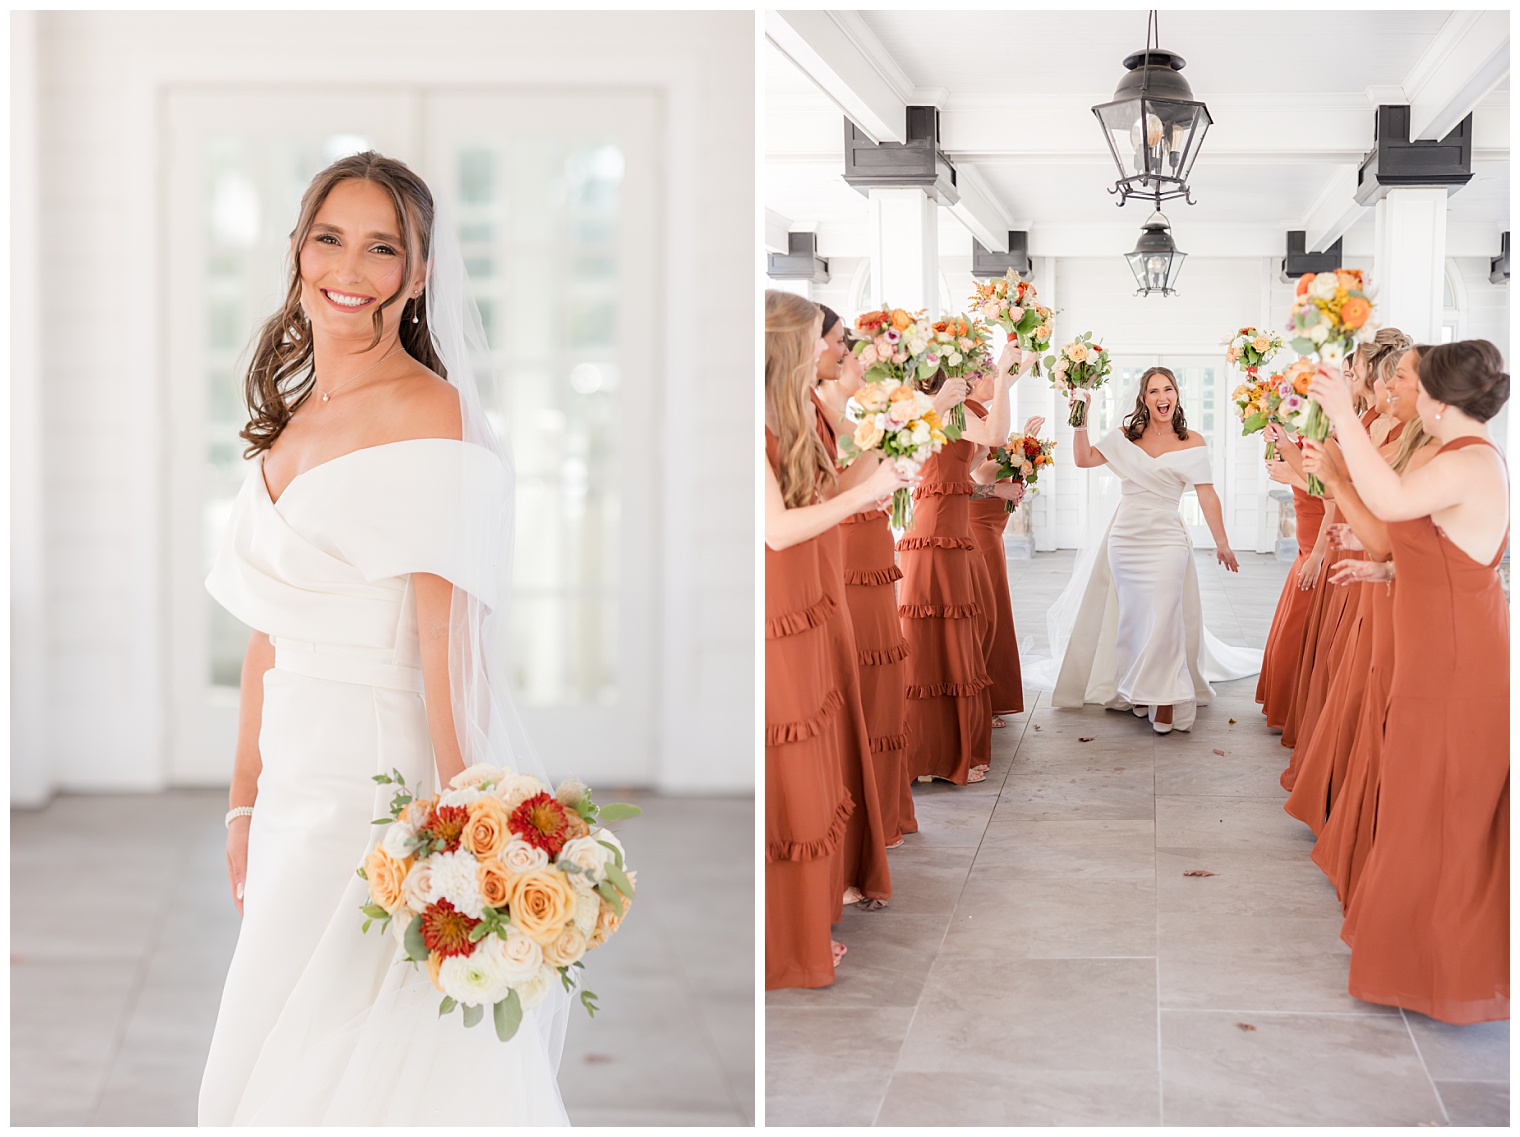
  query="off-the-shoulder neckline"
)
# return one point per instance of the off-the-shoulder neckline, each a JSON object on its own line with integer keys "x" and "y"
{"x": 349, "y": 454}
{"x": 1164, "y": 453}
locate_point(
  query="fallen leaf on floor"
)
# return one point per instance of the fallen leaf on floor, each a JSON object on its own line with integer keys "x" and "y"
{"x": 1220, "y": 753}
{"x": 1232, "y": 722}
{"x": 1084, "y": 740}
{"x": 1037, "y": 726}
{"x": 1199, "y": 872}
{"x": 597, "y": 1059}
{"x": 1245, "y": 1026}
{"x": 1119, "y": 769}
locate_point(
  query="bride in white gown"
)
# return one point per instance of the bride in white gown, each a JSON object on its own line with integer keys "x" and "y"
{"x": 1128, "y": 631}
{"x": 367, "y": 550}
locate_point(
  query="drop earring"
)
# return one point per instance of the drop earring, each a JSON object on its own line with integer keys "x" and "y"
{"x": 414, "y": 310}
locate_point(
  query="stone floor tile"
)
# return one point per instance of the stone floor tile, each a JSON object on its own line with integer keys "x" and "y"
{"x": 1475, "y": 1103}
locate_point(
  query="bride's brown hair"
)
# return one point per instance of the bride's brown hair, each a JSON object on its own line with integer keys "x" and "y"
{"x": 791, "y": 334}
{"x": 280, "y": 374}
{"x": 1140, "y": 418}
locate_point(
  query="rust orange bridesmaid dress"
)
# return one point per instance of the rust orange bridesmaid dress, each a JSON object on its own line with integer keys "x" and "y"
{"x": 1285, "y": 640}
{"x": 807, "y": 806}
{"x": 949, "y": 697}
{"x": 865, "y": 840}
{"x": 870, "y": 576}
{"x": 989, "y": 519}
{"x": 1429, "y": 920}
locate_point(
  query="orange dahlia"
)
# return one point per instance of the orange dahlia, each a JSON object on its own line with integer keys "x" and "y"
{"x": 447, "y": 824}
{"x": 542, "y": 822}
{"x": 446, "y": 930}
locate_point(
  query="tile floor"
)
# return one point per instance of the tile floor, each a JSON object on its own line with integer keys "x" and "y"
{"x": 1045, "y": 962}
{"x": 113, "y": 1029}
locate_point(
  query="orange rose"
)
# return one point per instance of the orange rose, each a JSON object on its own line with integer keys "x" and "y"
{"x": 1303, "y": 284}
{"x": 486, "y": 833}
{"x": 607, "y": 921}
{"x": 902, "y": 394}
{"x": 1349, "y": 278}
{"x": 494, "y": 882}
{"x": 386, "y": 875}
{"x": 1302, "y": 377}
{"x": 541, "y": 904}
{"x": 1354, "y": 311}
{"x": 901, "y": 320}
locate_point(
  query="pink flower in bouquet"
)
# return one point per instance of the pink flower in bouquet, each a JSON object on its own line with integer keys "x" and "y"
{"x": 868, "y": 355}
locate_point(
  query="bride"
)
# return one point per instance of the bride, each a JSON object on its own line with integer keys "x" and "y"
{"x": 367, "y": 550}
{"x": 1130, "y": 622}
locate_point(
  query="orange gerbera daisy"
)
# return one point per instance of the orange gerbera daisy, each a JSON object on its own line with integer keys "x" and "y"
{"x": 1354, "y": 311}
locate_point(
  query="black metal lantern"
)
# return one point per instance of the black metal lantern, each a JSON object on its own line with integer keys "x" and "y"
{"x": 1156, "y": 260}
{"x": 1154, "y": 126}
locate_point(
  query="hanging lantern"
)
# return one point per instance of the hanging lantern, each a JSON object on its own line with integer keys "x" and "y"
{"x": 1156, "y": 260}
{"x": 1154, "y": 126}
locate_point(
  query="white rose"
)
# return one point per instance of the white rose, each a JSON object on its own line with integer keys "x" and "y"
{"x": 520, "y": 857}
{"x": 461, "y": 797}
{"x": 587, "y": 908}
{"x": 1320, "y": 332}
{"x": 533, "y": 990}
{"x": 473, "y": 979}
{"x": 417, "y": 890}
{"x": 588, "y": 854}
{"x": 474, "y": 776}
{"x": 514, "y": 789}
{"x": 922, "y": 404}
{"x": 1238, "y": 342}
{"x": 397, "y": 834}
{"x": 1323, "y": 286}
{"x": 515, "y": 958}
{"x": 955, "y": 358}
{"x": 610, "y": 837}
{"x": 921, "y": 434}
{"x": 454, "y": 880}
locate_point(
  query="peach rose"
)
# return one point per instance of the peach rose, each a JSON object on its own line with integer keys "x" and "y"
{"x": 868, "y": 434}
{"x": 435, "y": 962}
{"x": 567, "y": 948}
{"x": 1077, "y": 352}
{"x": 868, "y": 355}
{"x": 494, "y": 882}
{"x": 386, "y": 877}
{"x": 901, "y": 320}
{"x": 871, "y": 398}
{"x": 541, "y": 904}
{"x": 1261, "y": 343}
{"x": 486, "y": 832}
{"x": 607, "y": 921}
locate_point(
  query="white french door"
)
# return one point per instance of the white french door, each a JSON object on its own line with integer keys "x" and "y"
{"x": 554, "y": 197}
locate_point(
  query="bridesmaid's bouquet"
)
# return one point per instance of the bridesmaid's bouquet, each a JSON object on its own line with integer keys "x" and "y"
{"x": 1022, "y": 458}
{"x": 499, "y": 887}
{"x": 1256, "y": 402}
{"x": 893, "y": 416}
{"x": 1294, "y": 411}
{"x": 959, "y": 349}
{"x": 1331, "y": 314}
{"x": 1080, "y": 365}
{"x": 1010, "y": 304}
{"x": 1252, "y": 348}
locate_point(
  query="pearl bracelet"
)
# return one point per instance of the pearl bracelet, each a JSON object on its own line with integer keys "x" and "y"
{"x": 234, "y": 814}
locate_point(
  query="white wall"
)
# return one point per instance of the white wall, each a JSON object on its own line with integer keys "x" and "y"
{"x": 94, "y": 674}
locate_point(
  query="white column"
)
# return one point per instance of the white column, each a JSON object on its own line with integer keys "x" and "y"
{"x": 32, "y": 780}
{"x": 1411, "y": 261}
{"x": 905, "y": 249}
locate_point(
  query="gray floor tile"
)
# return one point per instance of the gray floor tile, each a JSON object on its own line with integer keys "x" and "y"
{"x": 1475, "y": 1103}
{"x": 1023, "y": 1097}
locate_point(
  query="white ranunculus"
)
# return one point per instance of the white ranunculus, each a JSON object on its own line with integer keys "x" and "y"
{"x": 533, "y": 990}
{"x": 473, "y": 979}
{"x": 461, "y": 797}
{"x": 921, "y": 434}
{"x": 514, "y": 789}
{"x": 455, "y": 880}
{"x": 1320, "y": 332}
{"x": 515, "y": 958}
{"x": 1323, "y": 286}
{"x": 521, "y": 857}
{"x": 587, "y": 853}
{"x": 1332, "y": 352}
{"x": 587, "y": 908}
{"x": 397, "y": 834}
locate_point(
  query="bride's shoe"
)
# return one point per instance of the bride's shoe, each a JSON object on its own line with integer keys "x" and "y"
{"x": 1184, "y": 715}
{"x": 1141, "y": 712}
{"x": 1156, "y": 724}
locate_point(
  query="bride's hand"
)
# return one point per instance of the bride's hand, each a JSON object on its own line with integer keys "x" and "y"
{"x": 1225, "y": 556}
{"x": 237, "y": 858}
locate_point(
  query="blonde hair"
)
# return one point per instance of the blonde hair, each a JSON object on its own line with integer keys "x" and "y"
{"x": 1414, "y": 436}
{"x": 791, "y": 335}
{"x": 1380, "y": 357}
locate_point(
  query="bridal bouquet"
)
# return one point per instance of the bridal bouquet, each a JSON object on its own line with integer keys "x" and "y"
{"x": 500, "y": 887}
{"x": 1022, "y": 459}
{"x": 1010, "y": 304}
{"x": 1253, "y": 348}
{"x": 893, "y": 416}
{"x": 1080, "y": 365}
{"x": 1331, "y": 314}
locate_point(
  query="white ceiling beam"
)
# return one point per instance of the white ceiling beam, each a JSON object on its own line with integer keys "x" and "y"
{"x": 978, "y": 209}
{"x": 1334, "y": 211}
{"x": 1467, "y": 59}
{"x": 831, "y": 50}
{"x": 776, "y": 229}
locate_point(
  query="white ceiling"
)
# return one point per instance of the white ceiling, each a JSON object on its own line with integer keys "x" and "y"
{"x": 1290, "y": 109}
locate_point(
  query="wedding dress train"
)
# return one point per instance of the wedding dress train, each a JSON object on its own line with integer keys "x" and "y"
{"x": 1129, "y": 626}
{"x": 320, "y": 1023}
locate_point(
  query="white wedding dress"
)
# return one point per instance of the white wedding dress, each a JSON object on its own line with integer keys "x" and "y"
{"x": 321, "y": 1024}
{"x": 1129, "y": 627}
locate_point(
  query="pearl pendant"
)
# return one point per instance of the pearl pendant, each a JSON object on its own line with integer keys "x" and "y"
{"x": 325, "y": 396}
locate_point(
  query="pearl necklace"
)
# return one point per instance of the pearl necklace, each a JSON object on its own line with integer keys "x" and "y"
{"x": 329, "y": 394}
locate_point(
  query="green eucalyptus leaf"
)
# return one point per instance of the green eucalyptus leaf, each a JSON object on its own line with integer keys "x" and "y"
{"x": 610, "y": 895}
{"x": 446, "y": 1006}
{"x": 416, "y": 947}
{"x": 619, "y": 811}
{"x": 382, "y": 779}
{"x": 620, "y": 880}
{"x": 366, "y": 925}
{"x": 508, "y": 1016}
{"x": 588, "y": 1000}
{"x": 473, "y": 1013}
{"x": 617, "y": 854}
{"x": 375, "y": 911}
{"x": 360, "y": 873}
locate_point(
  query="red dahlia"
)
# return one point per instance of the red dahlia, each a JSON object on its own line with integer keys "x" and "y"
{"x": 542, "y": 822}
{"x": 446, "y": 823}
{"x": 446, "y": 930}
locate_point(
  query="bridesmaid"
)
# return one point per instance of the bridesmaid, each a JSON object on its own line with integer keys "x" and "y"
{"x": 870, "y": 570}
{"x": 1321, "y": 759}
{"x": 990, "y": 503}
{"x": 1346, "y": 838}
{"x": 949, "y": 707}
{"x": 1429, "y": 920}
{"x": 807, "y": 699}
